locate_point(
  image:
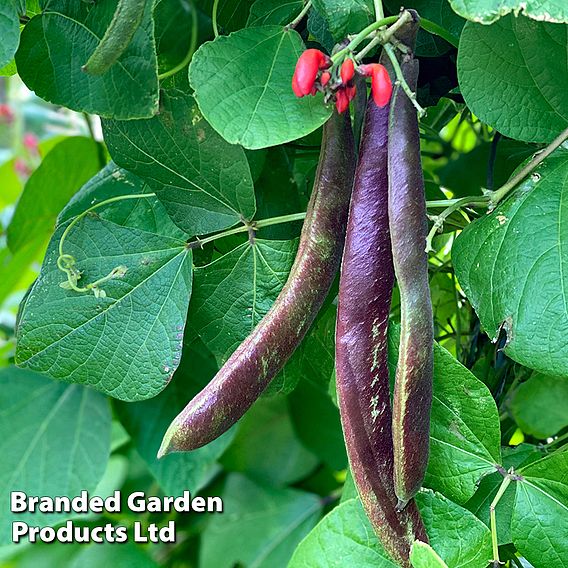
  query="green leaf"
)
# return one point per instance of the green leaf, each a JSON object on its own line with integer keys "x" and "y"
{"x": 512, "y": 267}
{"x": 252, "y": 70}
{"x": 512, "y": 75}
{"x": 231, "y": 14}
{"x": 147, "y": 422}
{"x": 540, "y": 517}
{"x": 61, "y": 173}
{"x": 233, "y": 293}
{"x": 128, "y": 343}
{"x": 345, "y": 538}
{"x": 261, "y": 527}
{"x": 422, "y": 555}
{"x": 54, "y": 440}
{"x": 488, "y": 11}
{"x": 203, "y": 182}
{"x": 345, "y": 16}
{"x": 459, "y": 537}
{"x": 284, "y": 461}
{"x": 464, "y": 430}
{"x": 539, "y": 405}
{"x": 105, "y": 554}
{"x": 56, "y": 44}
{"x": 173, "y": 21}
{"x": 273, "y": 12}
{"x": 9, "y": 31}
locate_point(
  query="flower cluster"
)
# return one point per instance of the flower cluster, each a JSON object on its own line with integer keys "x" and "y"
{"x": 315, "y": 72}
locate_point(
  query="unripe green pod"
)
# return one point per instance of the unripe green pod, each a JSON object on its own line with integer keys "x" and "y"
{"x": 365, "y": 289}
{"x": 125, "y": 21}
{"x": 249, "y": 370}
{"x": 412, "y": 398}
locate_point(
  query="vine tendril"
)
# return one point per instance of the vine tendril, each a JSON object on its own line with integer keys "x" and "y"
{"x": 67, "y": 262}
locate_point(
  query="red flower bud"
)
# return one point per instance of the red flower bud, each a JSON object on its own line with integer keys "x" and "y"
{"x": 6, "y": 114}
{"x": 325, "y": 77}
{"x": 347, "y": 71}
{"x": 341, "y": 101}
{"x": 309, "y": 63}
{"x": 381, "y": 85}
{"x": 351, "y": 92}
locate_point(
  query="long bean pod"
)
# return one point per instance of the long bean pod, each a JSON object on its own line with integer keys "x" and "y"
{"x": 249, "y": 370}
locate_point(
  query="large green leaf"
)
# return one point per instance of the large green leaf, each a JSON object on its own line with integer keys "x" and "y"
{"x": 128, "y": 343}
{"x": 540, "y": 517}
{"x": 512, "y": 266}
{"x": 203, "y": 182}
{"x": 539, "y": 405}
{"x": 61, "y": 173}
{"x": 512, "y": 75}
{"x": 231, "y": 14}
{"x": 54, "y": 440}
{"x": 9, "y": 31}
{"x": 261, "y": 525}
{"x": 233, "y": 293}
{"x": 464, "y": 429}
{"x": 251, "y": 70}
{"x": 487, "y": 11}
{"x": 57, "y": 43}
{"x": 345, "y": 16}
{"x": 147, "y": 422}
{"x": 345, "y": 538}
{"x": 273, "y": 12}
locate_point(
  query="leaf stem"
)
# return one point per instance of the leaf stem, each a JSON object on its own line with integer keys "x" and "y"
{"x": 300, "y": 16}
{"x": 248, "y": 225}
{"x": 495, "y": 543}
{"x": 214, "y": 18}
{"x": 66, "y": 262}
{"x": 379, "y": 12}
{"x": 402, "y": 81}
{"x": 362, "y": 35}
{"x": 434, "y": 28}
{"x": 455, "y": 204}
{"x": 496, "y": 196}
{"x": 191, "y": 49}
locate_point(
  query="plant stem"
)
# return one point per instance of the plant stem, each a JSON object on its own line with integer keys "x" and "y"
{"x": 100, "y": 149}
{"x": 491, "y": 161}
{"x": 300, "y": 16}
{"x": 434, "y": 28}
{"x": 496, "y": 196}
{"x": 402, "y": 81}
{"x": 214, "y": 18}
{"x": 362, "y": 35}
{"x": 379, "y": 12}
{"x": 506, "y": 482}
{"x": 191, "y": 49}
{"x": 455, "y": 204}
{"x": 254, "y": 225}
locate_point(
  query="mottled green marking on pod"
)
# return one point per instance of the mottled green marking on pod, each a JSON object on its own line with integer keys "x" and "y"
{"x": 254, "y": 364}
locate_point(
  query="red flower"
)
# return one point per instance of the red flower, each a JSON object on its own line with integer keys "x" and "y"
{"x": 341, "y": 101}
{"x": 31, "y": 141}
{"x": 381, "y": 85}
{"x": 6, "y": 113}
{"x": 347, "y": 71}
{"x": 307, "y": 68}
{"x": 325, "y": 77}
